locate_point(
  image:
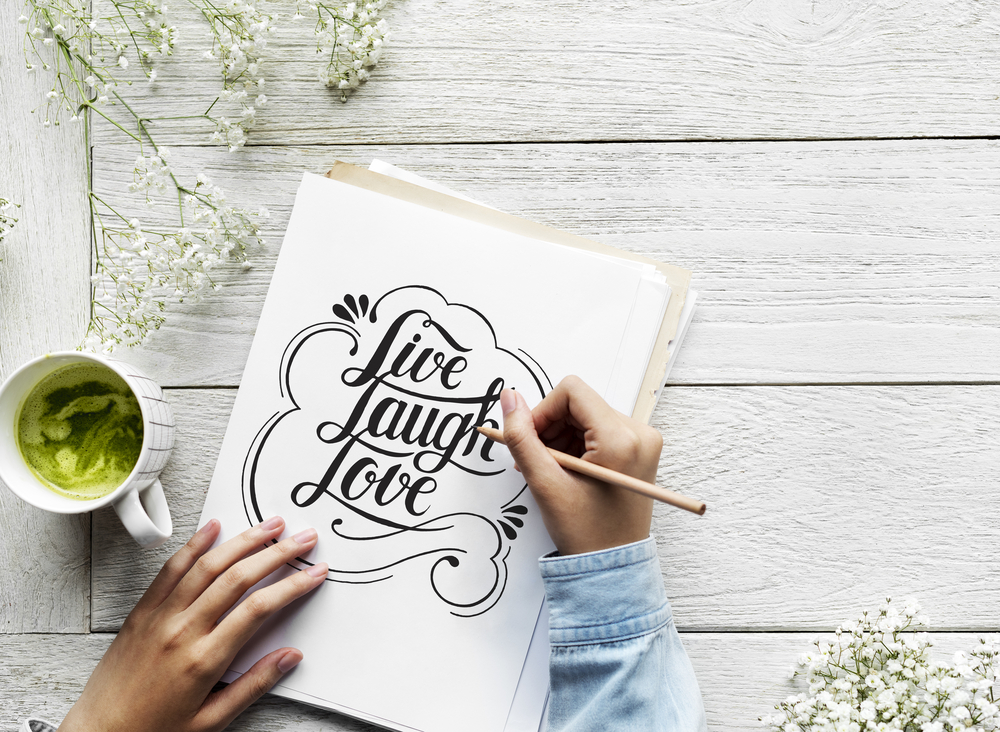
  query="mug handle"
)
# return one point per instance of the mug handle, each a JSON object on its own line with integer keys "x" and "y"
{"x": 147, "y": 518}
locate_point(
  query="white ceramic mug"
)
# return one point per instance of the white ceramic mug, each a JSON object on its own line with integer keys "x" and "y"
{"x": 139, "y": 501}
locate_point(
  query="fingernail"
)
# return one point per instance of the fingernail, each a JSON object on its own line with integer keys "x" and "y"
{"x": 289, "y": 661}
{"x": 318, "y": 570}
{"x": 304, "y": 537}
{"x": 207, "y": 527}
{"x": 272, "y": 523}
{"x": 508, "y": 402}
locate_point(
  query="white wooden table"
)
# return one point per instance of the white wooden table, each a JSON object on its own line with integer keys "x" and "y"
{"x": 828, "y": 168}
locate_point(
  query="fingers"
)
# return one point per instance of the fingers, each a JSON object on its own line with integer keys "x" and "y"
{"x": 602, "y": 434}
{"x": 224, "y": 706}
{"x": 236, "y": 629}
{"x": 211, "y": 565}
{"x": 178, "y": 565}
{"x": 533, "y": 459}
{"x": 224, "y": 592}
{"x": 573, "y": 403}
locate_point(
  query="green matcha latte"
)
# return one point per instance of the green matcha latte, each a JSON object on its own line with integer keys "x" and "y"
{"x": 80, "y": 431}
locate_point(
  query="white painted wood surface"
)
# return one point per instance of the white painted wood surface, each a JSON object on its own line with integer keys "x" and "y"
{"x": 741, "y": 675}
{"x": 506, "y": 70}
{"x": 860, "y": 275}
{"x": 44, "y": 294}
{"x": 839, "y": 262}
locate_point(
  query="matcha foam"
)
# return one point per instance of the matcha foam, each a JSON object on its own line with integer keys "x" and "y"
{"x": 80, "y": 431}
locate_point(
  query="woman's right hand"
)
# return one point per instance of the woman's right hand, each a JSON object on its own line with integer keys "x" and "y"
{"x": 580, "y": 513}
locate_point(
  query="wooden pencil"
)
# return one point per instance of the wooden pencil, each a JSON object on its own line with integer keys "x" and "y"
{"x": 599, "y": 472}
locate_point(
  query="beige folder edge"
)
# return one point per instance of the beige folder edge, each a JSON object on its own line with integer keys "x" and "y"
{"x": 678, "y": 278}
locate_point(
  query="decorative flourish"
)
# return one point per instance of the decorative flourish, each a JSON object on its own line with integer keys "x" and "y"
{"x": 358, "y": 308}
{"x": 512, "y": 514}
{"x": 876, "y": 674}
{"x": 382, "y": 434}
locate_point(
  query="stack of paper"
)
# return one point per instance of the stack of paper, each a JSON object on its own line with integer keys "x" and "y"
{"x": 641, "y": 409}
{"x": 395, "y": 316}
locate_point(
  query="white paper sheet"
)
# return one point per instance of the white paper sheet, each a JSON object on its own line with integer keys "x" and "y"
{"x": 644, "y": 321}
{"x": 434, "y": 590}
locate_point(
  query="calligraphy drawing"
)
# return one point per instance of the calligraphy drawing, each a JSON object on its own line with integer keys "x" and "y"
{"x": 379, "y": 445}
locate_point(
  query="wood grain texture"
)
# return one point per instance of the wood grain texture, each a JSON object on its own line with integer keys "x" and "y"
{"x": 741, "y": 675}
{"x": 815, "y": 262}
{"x": 822, "y": 501}
{"x": 44, "y": 298}
{"x": 502, "y": 70}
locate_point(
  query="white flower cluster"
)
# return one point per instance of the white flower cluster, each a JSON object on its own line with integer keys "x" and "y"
{"x": 137, "y": 29}
{"x": 65, "y": 29}
{"x": 7, "y": 219}
{"x": 876, "y": 674}
{"x": 138, "y": 271}
{"x": 351, "y": 38}
{"x": 239, "y": 37}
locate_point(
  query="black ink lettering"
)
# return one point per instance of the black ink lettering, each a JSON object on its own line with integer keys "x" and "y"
{"x": 379, "y": 412}
{"x": 452, "y": 368}
{"x": 352, "y": 473}
{"x": 425, "y": 439}
{"x": 374, "y": 365}
{"x": 415, "y": 491}
{"x": 404, "y": 354}
{"x": 385, "y": 482}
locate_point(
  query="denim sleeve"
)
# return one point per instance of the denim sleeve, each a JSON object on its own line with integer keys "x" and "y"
{"x": 616, "y": 660}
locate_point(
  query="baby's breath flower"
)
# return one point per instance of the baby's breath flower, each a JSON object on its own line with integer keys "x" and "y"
{"x": 138, "y": 272}
{"x": 350, "y": 40}
{"x": 877, "y": 676}
{"x": 94, "y": 57}
{"x": 7, "y": 219}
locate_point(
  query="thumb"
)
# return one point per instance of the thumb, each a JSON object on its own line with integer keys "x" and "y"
{"x": 527, "y": 449}
{"x": 225, "y": 705}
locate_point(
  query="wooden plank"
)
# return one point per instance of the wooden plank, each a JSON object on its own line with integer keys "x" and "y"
{"x": 642, "y": 70}
{"x": 44, "y": 297}
{"x": 43, "y": 675}
{"x": 822, "y": 501}
{"x": 741, "y": 675}
{"x": 815, "y": 262}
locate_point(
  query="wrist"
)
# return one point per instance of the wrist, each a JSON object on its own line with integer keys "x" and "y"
{"x": 574, "y": 546}
{"x": 81, "y": 719}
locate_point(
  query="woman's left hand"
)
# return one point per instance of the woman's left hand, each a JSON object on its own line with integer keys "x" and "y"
{"x": 158, "y": 674}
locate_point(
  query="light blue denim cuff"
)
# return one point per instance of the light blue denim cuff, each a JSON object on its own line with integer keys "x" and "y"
{"x": 605, "y": 596}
